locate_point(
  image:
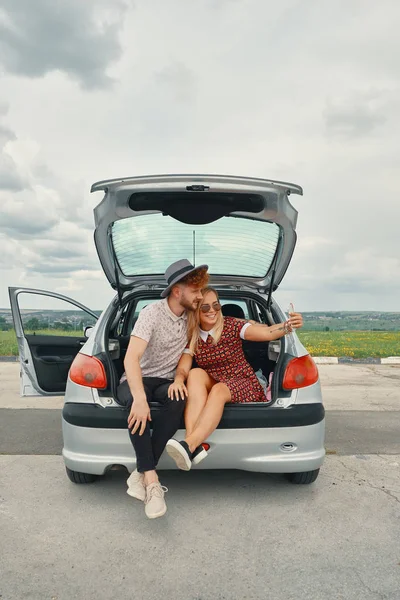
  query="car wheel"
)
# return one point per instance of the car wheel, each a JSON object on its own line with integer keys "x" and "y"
{"x": 77, "y": 477}
{"x": 302, "y": 478}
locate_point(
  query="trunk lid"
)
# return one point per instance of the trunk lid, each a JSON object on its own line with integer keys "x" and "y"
{"x": 243, "y": 228}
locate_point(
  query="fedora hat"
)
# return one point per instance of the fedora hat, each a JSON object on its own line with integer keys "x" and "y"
{"x": 177, "y": 271}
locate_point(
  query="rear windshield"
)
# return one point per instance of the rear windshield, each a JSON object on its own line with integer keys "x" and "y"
{"x": 147, "y": 244}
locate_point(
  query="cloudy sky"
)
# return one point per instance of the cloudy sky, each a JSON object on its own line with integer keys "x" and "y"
{"x": 298, "y": 90}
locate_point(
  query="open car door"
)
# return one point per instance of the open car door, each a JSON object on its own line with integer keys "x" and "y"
{"x": 50, "y": 332}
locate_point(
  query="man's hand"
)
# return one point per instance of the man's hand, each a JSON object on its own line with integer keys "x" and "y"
{"x": 139, "y": 415}
{"x": 177, "y": 390}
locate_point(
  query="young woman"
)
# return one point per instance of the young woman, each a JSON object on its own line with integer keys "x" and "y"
{"x": 223, "y": 374}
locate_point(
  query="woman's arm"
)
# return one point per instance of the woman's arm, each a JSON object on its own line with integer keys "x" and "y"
{"x": 267, "y": 333}
{"x": 178, "y": 389}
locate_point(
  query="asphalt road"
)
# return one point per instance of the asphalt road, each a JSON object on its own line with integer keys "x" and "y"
{"x": 38, "y": 432}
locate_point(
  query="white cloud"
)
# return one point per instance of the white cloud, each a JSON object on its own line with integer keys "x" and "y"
{"x": 304, "y": 92}
{"x": 356, "y": 116}
{"x": 78, "y": 38}
{"x": 78, "y": 282}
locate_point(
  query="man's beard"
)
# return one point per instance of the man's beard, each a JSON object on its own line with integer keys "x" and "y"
{"x": 188, "y": 305}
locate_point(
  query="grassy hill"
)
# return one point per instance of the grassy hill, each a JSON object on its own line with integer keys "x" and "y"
{"x": 352, "y": 344}
{"x": 351, "y": 321}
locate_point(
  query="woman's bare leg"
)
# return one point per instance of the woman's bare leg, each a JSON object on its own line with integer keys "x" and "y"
{"x": 210, "y": 416}
{"x": 199, "y": 384}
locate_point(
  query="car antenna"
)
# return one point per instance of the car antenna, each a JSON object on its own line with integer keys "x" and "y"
{"x": 194, "y": 248}
{"x": 269, "y": 299}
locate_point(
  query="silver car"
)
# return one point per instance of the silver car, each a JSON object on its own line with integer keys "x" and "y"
{"x": 245, "y": 230}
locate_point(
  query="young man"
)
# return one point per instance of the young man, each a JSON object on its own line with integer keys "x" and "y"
{"x": 156, "y": 345}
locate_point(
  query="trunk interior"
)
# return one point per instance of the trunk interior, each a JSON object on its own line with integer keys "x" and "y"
{"x": 262, "y": 356}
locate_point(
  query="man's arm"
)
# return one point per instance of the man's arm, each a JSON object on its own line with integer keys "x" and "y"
{"x": 178, "y": 389}
{"x": 140, "y": 410}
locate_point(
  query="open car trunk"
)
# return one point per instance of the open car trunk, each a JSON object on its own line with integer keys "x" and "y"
{"x": 262, "y": 356}
{"x": 244, "y": 229}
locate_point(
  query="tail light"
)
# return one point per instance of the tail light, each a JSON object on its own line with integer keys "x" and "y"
{"x": 300, "y": 372}
{"x": 89, "y": 371}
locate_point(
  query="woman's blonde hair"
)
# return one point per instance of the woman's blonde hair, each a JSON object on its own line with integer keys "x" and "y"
{"x": 194, "y": 324}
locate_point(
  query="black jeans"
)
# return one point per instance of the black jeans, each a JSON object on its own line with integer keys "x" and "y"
{"x": 165, "y": 421}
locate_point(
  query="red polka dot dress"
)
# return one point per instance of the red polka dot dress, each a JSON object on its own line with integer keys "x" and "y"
{"x": 226, "y": 363}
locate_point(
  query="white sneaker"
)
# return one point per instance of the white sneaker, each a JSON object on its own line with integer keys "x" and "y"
{"x": 155, "y": 504}
{"x": 136, "y": 487}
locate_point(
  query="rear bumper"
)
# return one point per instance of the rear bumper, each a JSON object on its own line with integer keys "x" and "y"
{"x": 96, "y": 448}
{"x": 235, "y": 416}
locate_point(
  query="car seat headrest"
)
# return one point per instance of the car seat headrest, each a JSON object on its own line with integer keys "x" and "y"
{"x": 233, "y": 310}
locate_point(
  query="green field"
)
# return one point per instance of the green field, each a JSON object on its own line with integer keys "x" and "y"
{"x": 354, "y": 344}
{"x": 8, "y": 341}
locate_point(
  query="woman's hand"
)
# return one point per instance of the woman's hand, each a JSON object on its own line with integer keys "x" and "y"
{"x": 177, "y": 390}
{"x": 295, "y": 320}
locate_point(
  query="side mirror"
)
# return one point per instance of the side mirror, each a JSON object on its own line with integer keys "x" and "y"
{"x": 88, "y": 331}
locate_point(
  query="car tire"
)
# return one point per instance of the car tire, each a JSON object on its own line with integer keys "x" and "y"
{"x": 303, "y": 478}
{"x": 77, "y": 477}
